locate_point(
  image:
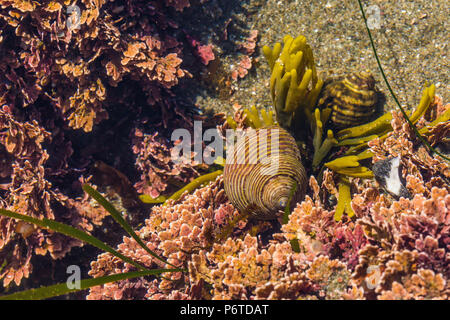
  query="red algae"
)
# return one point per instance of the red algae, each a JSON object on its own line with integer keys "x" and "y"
{"x": 104, "y": 72}
{"x": 59, "y": 68}
{"x": 392, "y": 249}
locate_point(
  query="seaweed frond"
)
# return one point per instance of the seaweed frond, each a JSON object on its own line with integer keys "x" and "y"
{"x": 255, "y": 120}
{"x": 344, "y": 200}
{"x": 294, "y": 84}
{"x": 349, "y": 166}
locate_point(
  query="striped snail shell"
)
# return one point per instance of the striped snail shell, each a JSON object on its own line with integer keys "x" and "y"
{"x": 261, "y": 171}
{"x": 352, "y": 100}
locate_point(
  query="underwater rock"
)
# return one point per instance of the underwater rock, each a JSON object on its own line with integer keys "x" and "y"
{"x": 388, "y": 174}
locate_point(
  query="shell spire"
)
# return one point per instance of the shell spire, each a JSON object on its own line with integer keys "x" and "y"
{"x": 352, "y": 100}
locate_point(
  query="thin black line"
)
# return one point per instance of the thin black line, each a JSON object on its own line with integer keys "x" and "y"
{"x": 431, "y": 149}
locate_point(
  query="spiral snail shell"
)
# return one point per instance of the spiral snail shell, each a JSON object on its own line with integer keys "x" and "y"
{"x": 261, "y": 171}
{"x": 352, "y": 100}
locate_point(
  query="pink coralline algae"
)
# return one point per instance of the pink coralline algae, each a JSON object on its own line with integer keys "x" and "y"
{"x": 26, "y": 190}
{"x": 249, "y": 45}
{"x": 63, "y": 67}
{"x": 409, "y": 237}
{"x": 317, "y": 232}
{"x": 424, "y": 284}
{"x": 242, "y": 68}
{"x": 393, "y": 248}
{"x": 153, "y": 160}
{"x": 239, "y": 267}
{"x": 72, "y": 54}
{"x": 420, "y": 225}
{"x": 204, "y": 52}
{"x": 175, "y": 231}
{"x": 245, "y": 63}
{"x": 75, "y": 76}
